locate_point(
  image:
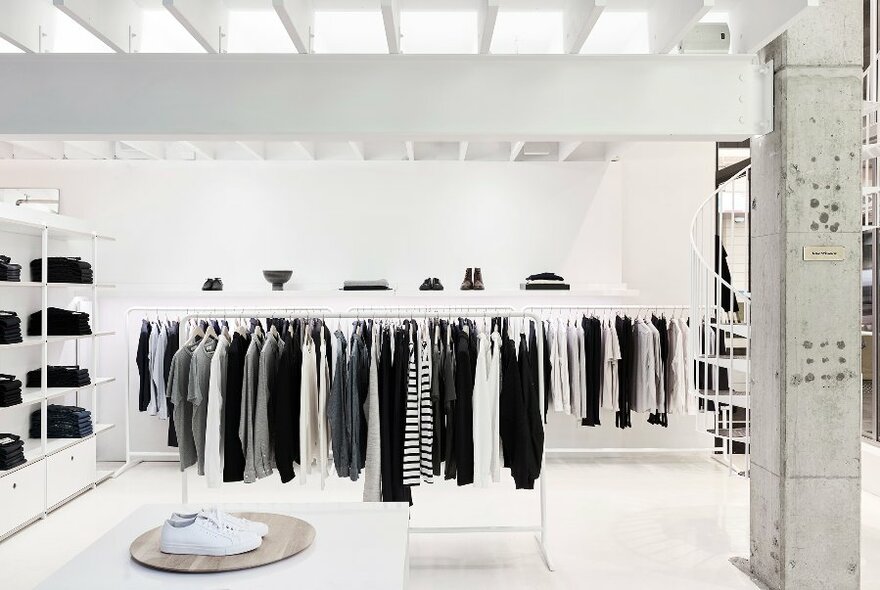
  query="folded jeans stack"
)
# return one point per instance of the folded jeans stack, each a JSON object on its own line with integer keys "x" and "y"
{"x": 64, "y": 376}
{"x": 8, "y": 271}
{"x": 10, "y": 391}
{"x": 62, "y": 322}
{"x": 63, "y": 422}
{"x": 11, "y": 451}
{"x": 10, "y": 327}
{"x": 63, "y": 269}
{"x": 545, "y": 281}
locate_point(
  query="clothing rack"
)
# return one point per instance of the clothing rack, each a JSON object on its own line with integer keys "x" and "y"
{"x": 539, "y": 530}
{"x": 639, "y": 309}
{"x": 134, "y": 457}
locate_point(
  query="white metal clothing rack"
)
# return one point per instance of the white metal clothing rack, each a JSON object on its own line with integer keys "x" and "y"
{"x": 540, "y": 530}
{"x": 638, "y": 309}
{"x": 133, "y": 457}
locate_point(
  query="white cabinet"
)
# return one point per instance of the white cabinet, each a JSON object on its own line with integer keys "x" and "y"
{"x": 21, "y": 496}
{"x": 70, "y": 470}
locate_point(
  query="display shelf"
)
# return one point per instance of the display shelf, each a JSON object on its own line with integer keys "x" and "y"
{"x": 37, "y": 340}
{"x": 29, "y": 397}
{"x": 737, "y": 399}
{"x": 36, "y": 393}
{"x": 20, "y": 284}
{"x": 31, "y": 457}
{"x": 103, "y": 475}
{"x": 102, "y": 428}
{"x": 25, "y": 341}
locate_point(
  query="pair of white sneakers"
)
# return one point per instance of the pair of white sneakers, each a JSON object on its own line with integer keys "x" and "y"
{"x": 210, "y": 532}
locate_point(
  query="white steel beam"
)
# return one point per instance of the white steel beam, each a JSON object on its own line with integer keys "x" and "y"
{"x": 256, "y": 149}
{"x": 567, "y": 148}
{"x": 463, "y": 150}
{"x": 670, "y": 21}
{"x": 516, "y": 149}
{"x": 260, "y": 97}
{"x": 298, "y": 17}
{"x": 487, "y": 14}
{"x": 6, "y": 150}
{"x": 287, "y": 150}
{"x": 53, "y": 150}
{"x": 357, "y": 148}
{"x": 410, "y": 150}
{"x": 118, "y": 24}
{"x": 754, "y": 23}
{"x": 154, "y": 150}
{"x": 391, "y": 18}
{"x": 28, "y": 24}
{"x": 578, "y": 19}
{"x": 101, "y": 150}
{"x": 206, "y": 20}
{"x": 200, "y": 148}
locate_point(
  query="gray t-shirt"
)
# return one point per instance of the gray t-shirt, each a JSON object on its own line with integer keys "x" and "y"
{"x": 197, "y": 395}
{"x": 178, "y": 380}
{"x": 264, "y": 452}
{"x": 248, "y": 403}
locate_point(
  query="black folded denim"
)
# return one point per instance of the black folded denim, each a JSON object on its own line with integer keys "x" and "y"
{"x": 62, "y": 270}
{"x": 61, "y": 322}
{"x": 59, "y": 376}
{"x": 7, "y": 466}
{"x": 9, "y": 319}
{"x": 11, "y": 449}
{"x": 7, "y": 438}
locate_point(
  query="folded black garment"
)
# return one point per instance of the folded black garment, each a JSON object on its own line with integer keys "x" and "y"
{"x": 16, "y": 447}
{"x": 372, "y": 285}
{"x": 7, "y": 438}
{"x": 13, "y": 464}
{"x": 60, "y": 376}
{"x": 8, "y": 383}
{"x": 9, "y": 319}
{"x": 8, "y": 402}
{"x": 545, "y": 276}
{"x": 8, "y": 271}
{"x": 63, "y": 270}
{"x": 549, "y": 286}
{"x": 61, "y": 322}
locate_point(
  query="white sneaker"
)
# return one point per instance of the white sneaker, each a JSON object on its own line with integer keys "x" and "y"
{"x": 205, "y": 534}
{"x": 260, "y": 529}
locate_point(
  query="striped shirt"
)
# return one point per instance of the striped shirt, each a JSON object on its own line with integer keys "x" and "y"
{"x": 411, "y": 424}
{"x": 426, "y": 421}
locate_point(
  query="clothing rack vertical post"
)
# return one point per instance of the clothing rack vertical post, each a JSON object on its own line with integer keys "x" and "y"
{"x": 539, "y": 530}
{"x": 133, "y": 457}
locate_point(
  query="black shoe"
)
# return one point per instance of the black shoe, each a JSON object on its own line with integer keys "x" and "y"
{"x": 208, "y": 286}
{"x": 468, "y": 283}
{"x": 436, "y": 285}
{"x": 478, "y": 279}
{"x": 426, "y": 285}
{"x": 216, "y": 285}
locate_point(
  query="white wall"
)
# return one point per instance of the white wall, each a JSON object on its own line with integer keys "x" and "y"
{"x": 179, "y": 222}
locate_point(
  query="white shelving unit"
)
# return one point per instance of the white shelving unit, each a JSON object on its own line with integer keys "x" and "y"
{"x": 56, "y": 469}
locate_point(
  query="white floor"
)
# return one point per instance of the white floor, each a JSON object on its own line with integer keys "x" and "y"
{"x": 622, "y": 522}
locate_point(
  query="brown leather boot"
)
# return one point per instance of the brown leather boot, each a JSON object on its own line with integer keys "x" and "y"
{"x": 468, "y": 283}
{"x": 478, "y": 279}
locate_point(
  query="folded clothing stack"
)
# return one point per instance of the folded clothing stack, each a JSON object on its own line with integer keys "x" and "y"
{"x": 11, "y": 451}
{"x": 10, "y": 327}
{"x": 63, "y": 422}
{"x": 545, "y": 281}
{"x": 377, "y": 285}
{"x": 68, "y": 376}
{"x": 63, "y": 269}
{"x": 10, "y": 391}
{"x": 8, "y": 271}
{"x": 62, "y": 322}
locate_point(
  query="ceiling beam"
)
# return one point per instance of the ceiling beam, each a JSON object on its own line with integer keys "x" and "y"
{"x": 206, "y": 20}
{"x": 567, "y": 148}
{"x": 463, "y": 150}
{"x": 754, "y": 23}
{"x": 100, "y": 150}
{"x": 357, "y": 148}
{"x": 117, "y": 24}
{"x": 7, "y": 152}
{"x": 516, "y": 149}
{"x": 28, "y": 25}
{"x": 410, "y": 150}
{"x": 298, "y": 18}
{"x": 53, "y": 150}
{"x": 487, "y": 14}
{"x": 200, "y": 148}
{"x": 669, "y": 22}
{"x": 578, "y": 19}
{"x": 256, "y": 149}
{"x": 391, "y": 18}
{"x": 154, "y": 150}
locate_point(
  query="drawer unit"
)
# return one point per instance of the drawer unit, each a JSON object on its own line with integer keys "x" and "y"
{"x": 21, "y": 496}
{"x": 70, "y": 470}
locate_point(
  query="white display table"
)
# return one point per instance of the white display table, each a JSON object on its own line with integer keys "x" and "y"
{"x": 356, "y": 546}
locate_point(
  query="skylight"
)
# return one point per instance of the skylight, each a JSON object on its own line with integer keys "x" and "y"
{"x": 257, "y": 31}
{"x": 438, "y": 32}
{"x": 528, "y": 32}
{"x": 619, "y": 32}
{"x": 7, "y": 47}
{"x": 161, "y": 33}
{"x": 349, "y": 32}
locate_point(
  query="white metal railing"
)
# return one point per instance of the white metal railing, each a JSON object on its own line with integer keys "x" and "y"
{"x": 713, "y": 322}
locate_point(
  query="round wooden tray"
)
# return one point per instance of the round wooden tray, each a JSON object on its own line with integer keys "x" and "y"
{"x": 287, "y": 537}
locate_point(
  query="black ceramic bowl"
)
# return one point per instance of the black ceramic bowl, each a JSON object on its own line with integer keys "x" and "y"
{"x": 277, "y": 278}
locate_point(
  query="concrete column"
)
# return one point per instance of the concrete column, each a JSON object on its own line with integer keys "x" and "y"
{"x": 805, "y": 475}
